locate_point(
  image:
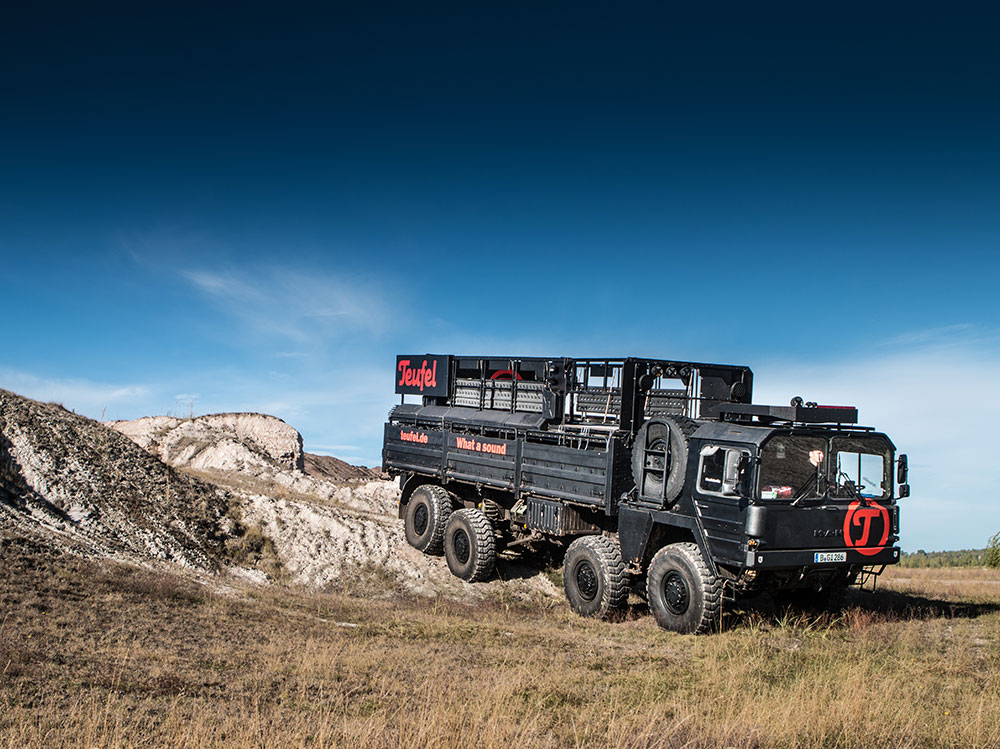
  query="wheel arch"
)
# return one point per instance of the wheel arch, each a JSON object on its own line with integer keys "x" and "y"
{"x": 664, "y": 535}
{"x": 409, "y": 484}
{"x": 458, "y": 490}
{"x": 643, "y": 532}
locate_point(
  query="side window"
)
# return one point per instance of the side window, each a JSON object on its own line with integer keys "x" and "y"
{"x": 713, "y": 463}
{"x": 718, "y": 471}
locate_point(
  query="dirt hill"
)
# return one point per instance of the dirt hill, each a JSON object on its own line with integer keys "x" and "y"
{"x": 334, "y": 469}
{"x": 248, "y": 443}
{"x": 70, "y": 484}
{"x": 220, "y": 492}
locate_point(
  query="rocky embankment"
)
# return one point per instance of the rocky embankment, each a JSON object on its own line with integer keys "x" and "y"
{"x": 251, "y": 443}
{"x": 244, "y": 451}
{"x": 67, "y": 483}
{"x": 191, "y": 491}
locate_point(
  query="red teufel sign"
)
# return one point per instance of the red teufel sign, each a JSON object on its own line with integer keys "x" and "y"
{"x": 422, "y": 375}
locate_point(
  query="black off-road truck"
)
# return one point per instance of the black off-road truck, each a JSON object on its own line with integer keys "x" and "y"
{"x": 653, "y": 475}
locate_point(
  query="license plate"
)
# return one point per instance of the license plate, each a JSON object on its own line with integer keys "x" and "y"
{"x": 829, "y": 556}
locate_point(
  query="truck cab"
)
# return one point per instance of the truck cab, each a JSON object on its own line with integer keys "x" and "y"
{"x": 795, "y": 506}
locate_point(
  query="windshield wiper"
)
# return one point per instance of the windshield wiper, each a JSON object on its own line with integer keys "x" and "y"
{"x": 848, "y": 485}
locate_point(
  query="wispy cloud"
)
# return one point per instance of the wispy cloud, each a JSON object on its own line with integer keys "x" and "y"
{"x": 295, "y": 306}
{"x": 224, "y": 286}
{"x": 85, "y": 396}
{"x": 961, "y": 334}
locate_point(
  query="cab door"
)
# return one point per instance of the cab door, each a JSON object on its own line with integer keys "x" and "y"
{"x": 718, "y": 496}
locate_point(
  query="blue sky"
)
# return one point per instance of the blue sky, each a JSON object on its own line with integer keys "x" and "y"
{"x": 210, "y": 208}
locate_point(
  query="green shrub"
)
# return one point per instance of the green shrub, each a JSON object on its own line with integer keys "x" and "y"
{"x": 993, "y": 551}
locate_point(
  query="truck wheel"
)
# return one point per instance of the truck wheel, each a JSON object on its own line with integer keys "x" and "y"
{"x": 426, "y": 516}
{"x": 669, "y": 434}
{"x": 683, "y": 595}
{"x": 469, "y": 545}
{"x": 594, "y": 576}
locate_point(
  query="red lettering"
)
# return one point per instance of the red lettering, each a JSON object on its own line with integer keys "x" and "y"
{"x": 494, "y": 449}
{"x": 865, "y": 517}
{"x": 425, "y": 376}
{"x": 861, "y": 516}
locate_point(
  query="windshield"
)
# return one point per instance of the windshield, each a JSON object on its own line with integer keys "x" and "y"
{"x": 860, "y": 466}
{"x": 796, "y": 467}
{"x": 793, "y": 468}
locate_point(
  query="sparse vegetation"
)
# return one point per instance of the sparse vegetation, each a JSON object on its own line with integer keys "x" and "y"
{"x": 102, "y": 654}
{"x": 254, "y": 548}
{"x": 993, "y": 551}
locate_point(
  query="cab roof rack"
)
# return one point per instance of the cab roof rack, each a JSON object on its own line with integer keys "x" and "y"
{"x": 746, "y": 413}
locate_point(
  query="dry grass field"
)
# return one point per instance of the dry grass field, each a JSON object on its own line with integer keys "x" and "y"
{"x": 106, "y": 655}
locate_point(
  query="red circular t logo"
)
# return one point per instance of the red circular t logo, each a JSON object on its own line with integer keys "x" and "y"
{"x": 858, "y": 522}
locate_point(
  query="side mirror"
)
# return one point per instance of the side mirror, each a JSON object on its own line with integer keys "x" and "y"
{"x": 904, "y": 490}
{"x": 741, "y": 486}
{"x": 902, "y": 468}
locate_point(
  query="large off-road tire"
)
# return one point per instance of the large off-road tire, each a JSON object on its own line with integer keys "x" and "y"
{"x": 594, "y": 577}
{"x": 426, "y": 516}
{"x": 469, "y": 545}
{"x": 666, "y": 433}
{"x": 683, "y": 594}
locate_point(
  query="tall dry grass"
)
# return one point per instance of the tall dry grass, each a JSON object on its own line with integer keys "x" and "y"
{"x": 109, "y": 656}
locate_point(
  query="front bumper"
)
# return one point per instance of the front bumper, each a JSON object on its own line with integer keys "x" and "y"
{"x": 776, "y": 559}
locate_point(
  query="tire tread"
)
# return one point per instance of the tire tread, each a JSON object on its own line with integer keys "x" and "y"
{"x": 611, "y": 567}
{"x": 441, "y": 504}
{"x": 484, "y": 542}
{"x": 711, "y": 585}
{"x": 442, "y": 500}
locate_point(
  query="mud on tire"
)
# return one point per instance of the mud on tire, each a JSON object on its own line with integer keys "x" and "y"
{"x": 594, "y": 577}
{"x": 684, "y": 596}
{"x": 469, "y": 545}
{"x": 426, "y": 517}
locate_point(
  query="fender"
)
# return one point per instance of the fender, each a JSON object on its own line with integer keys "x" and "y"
{"x": 636, "y": 525}
{"x": 408, "y": 482}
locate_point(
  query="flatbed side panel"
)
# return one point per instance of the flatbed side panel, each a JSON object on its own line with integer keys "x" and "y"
{"x": 485, "y": 460}
{"x": 409, "y": 448}
{"x": 565, "y": 472}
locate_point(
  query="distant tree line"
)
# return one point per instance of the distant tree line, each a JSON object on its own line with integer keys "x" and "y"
{"x": 988, "y": 557}
{"x": 960, "y": 558}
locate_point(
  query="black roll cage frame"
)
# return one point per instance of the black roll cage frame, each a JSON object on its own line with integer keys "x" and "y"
{"x": 594, "y": 392}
